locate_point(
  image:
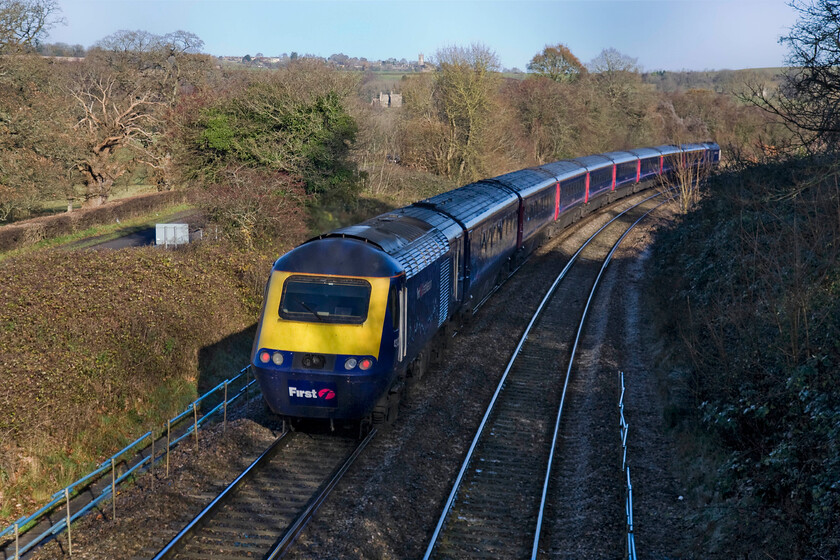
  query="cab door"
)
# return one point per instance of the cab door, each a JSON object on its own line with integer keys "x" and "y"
{"x": 398, "y": 306}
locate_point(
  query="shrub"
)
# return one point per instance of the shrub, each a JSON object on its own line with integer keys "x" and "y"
{"x": 293, "y": 122}
{"x": 252, "y": 206}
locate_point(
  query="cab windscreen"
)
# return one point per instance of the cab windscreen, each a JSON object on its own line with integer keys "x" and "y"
{"x": 318, "y": 299}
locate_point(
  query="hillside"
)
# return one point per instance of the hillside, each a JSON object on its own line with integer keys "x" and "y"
{"x": 97, "y": 346}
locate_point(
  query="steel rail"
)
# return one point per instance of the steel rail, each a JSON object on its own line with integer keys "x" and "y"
{"x": 468, "y": 459}
{"x": 535, "y": 549}
{"x": 173, "y": 546}
{"x": 286, "y": 541}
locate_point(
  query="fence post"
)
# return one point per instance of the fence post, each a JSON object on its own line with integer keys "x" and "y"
{"x": 17, "y": 542}
{"x": 113, "y": 489}
{"x": 195, "y": 424}
{"x": 152, "y": 459}
{"x": 69, "y": 538}
{"x": 168, "y": 444}
{"x": 224, "y": 423}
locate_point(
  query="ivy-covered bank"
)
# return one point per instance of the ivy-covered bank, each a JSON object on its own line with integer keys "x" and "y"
{"x": 748, "y": 288}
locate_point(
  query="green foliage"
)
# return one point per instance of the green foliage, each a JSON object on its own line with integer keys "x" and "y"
{"x": 280, "y": 125}
{"x": 218, "y": 136}
{"x": 749, "y": 282}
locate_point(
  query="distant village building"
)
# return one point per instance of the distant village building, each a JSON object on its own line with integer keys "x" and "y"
{"x": 389, "y": 99}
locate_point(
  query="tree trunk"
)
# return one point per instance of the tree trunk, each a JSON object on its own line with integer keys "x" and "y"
{"x": 98, "y": 183}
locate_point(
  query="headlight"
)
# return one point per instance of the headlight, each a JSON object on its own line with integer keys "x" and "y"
{"x": 313, "y": 361}
{"x": 277, "y": 358}
{"x": 350, "y": 363}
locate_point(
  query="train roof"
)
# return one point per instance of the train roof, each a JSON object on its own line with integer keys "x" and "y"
{"x": 711, "y": 145}
{"x": 563, "y": 169}
{"x": 693, "y": 147}
{"x": 472, "y": 203}
{"x": 594, "y": 162}
{"x": 344, "y": 256}
{"x": 390, "y": 232}
{"x": 646, "y": 152}
{"x": 668, "y": 149}
{"x": 411, "y": 241}
{"x": 526, "y": 181}
{"x": 621, "y": 157}
{"x": 422, "y": 252}
{"x": 439, "y": 221}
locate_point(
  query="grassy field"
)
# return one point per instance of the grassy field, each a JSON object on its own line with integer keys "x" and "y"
{"x": 99, "y": 234}
{"x": 57, "y": 206}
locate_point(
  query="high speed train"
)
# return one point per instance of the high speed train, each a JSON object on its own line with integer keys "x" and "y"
{"x": 349, "y": 317}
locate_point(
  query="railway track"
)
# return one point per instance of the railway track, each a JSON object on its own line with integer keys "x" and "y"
{"x": 496, "y": 507}
{"x": 261, "y": 512}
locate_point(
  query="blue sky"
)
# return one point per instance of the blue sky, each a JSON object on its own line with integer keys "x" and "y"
{"x": 662, "y": 35}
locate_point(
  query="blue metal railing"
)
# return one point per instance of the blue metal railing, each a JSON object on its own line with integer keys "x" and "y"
{"x": 24, "y": 524}
{"x": 628, "y": 504}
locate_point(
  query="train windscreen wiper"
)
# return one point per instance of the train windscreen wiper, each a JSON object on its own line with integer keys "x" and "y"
{"x": 302, "y": 304}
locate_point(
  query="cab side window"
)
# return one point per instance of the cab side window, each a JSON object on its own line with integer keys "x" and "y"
{"x": 393, "y": 308}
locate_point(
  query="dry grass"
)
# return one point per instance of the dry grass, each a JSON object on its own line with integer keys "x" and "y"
{"x": 99, "y": 346}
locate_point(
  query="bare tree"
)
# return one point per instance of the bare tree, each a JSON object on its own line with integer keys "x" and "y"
{"x": 617, "y": 74}
{"x": 682, "y": 184}
{"x": 465, "y": 84}
{"x": 808, "y": 99}
{"x": 25, "y": 22}
{"x": 611, "y": 61}
{"x": 127, "y": 83}
{"x": 552, "y": 115}
{"x": 35, "y": 144}
{"x": 164, "y": 62}
{"x": 112, "y": 117}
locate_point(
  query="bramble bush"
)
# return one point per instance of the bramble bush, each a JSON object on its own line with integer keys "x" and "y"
{"x": 255, "y": 206}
